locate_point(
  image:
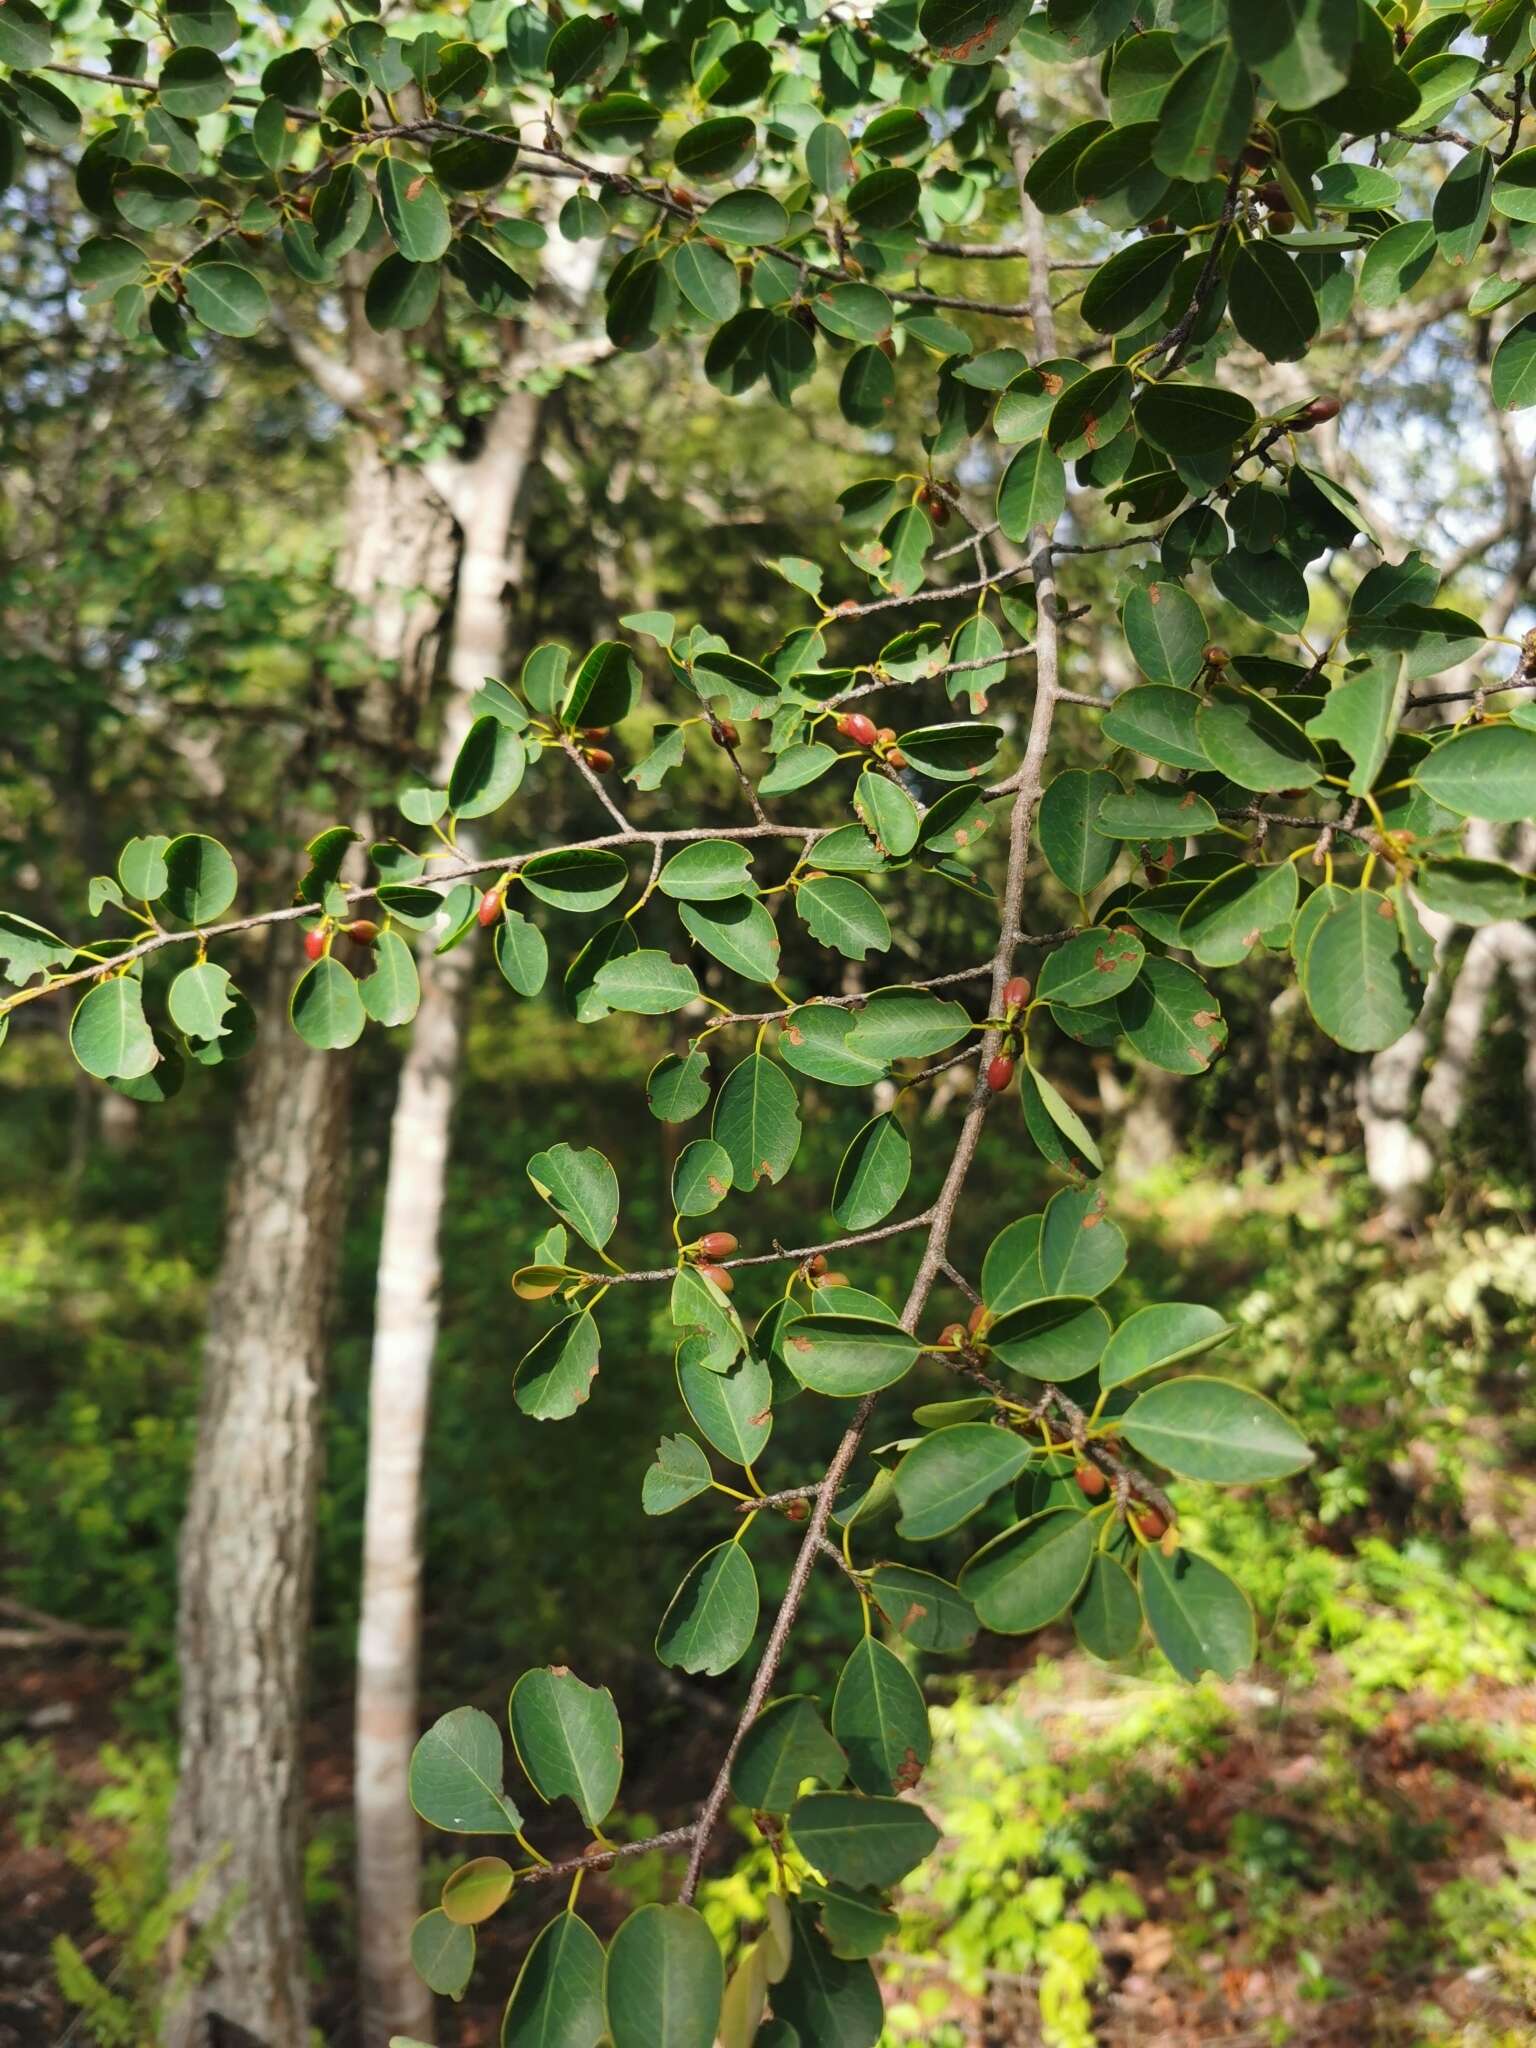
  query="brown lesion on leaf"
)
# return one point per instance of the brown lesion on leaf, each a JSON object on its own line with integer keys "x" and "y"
{"x": 960, "y": 53}
{"x": 913, "y": 1614}
{"x": 907, "y": 1772}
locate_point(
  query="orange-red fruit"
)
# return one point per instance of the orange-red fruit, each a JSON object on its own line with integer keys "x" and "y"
{"x": 724, "y": 734}
{"x": 1016, "y": 993}
{"x": 886, "y": 736}
{"x": 362, "y": 931}
{"x": 1216, "y": 657}
{"x": 853, "y": 725}
{"x": 798, "y": 1510}
{"x": 1152, "y": 1523}
{"x": 816, "y": 1264}
{"x": 721, "y": 1275}
{"x": 976, "y": 1318}
{"x": 1319, "y": 410}
{"x": 599, "y": 759}
{"x": 490, "y": 907}
{"x": 1273, "y": 196}
{"x": 895, "y": 758}
{"x": 717, "y": 1244}
{"x": 595, "y": 732}
{"x": 833, "y": 1280}
{"x": 952, "y": 1333}
{"x": 1091, "y": 1481}
{"x": 314, "y": 943}
{"x": 1000, "y": 1074}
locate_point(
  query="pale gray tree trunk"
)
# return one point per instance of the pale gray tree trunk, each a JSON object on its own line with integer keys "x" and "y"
{"x": 247, "y": 1546}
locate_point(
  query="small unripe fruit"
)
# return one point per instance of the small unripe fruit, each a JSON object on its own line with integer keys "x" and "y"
{"x": 797, "y": 1510}
{"x": 1016, "y": 993}
{"x": 1319, "y": 411}
{"x": 853, "y": 725}
{"x": 1216, "y": 657}
{"x": 1256, "y": 156}
{"x": 314, "y": 944}
{"x": 599, "y": 760}
{"x": 721, "y": 1275}
{"x": 1281, "y": 223}
{"x": 1152, "y": 1523}
{"x": 490, "y": 907}
{"x": 938, "y": 511}
{"x": 895, "y": 758}
{"x": 886, "y": 736}
{"x": 595, "y": 732}
{"x": 716, "y": 1244}
{"x": 952, "y": 1333}
{"x": 816, "y": 1264}
{"x": 977, "y": 1317}
{"x": 1091, "y": 1481}
{"x": 362, "y": 931}
{"x": 1000, "y": 1074}
{"x": 1273, "y": 196}
{"x": 724, "y": 734}
{"x": 834, "y": 1280}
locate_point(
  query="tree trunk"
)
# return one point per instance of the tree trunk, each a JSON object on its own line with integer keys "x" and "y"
{"x": 394, "y": 1999}
{"x": 247, "y": 1545}
{"x": 248, "y": 1539}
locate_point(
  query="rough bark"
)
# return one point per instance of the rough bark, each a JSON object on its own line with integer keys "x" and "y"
{"x": 248, "y": 1537}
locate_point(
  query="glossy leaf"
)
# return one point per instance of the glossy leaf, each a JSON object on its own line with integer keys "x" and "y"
{"x": 1210, "y": 1429}
{"x": 568, "y": 1740}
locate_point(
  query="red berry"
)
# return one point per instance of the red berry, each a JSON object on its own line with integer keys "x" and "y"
{"x": 1273, "y": 196}
{"x": 816, "y": 1264}
{"x": 1317, "y": 412}
{"x": 952, "y": 1333}
{"x": 490, "y": 907}
{"x": 895, "y": 758}
{"x": 833, "y": 1280}
{"x": 798, "y": 1510}
{"x": 721, "y": 1276}
{"x": 977, "y": 1317}
{"x": 314, "y": 943}
{"x": 1152, "y": 1523}
{"x": 886, "y": 736}
{"x": 853, "y": 725}
{"x": 716, "y": 1244}
{"x": 1091, "y": 1480}
{"x": 724, "y": 734}
{"x": 362, "y": 931}
{"x": 1000, "y": 1074}
{"x": 1016, "y": 993}
{"x": 599, "y": 760}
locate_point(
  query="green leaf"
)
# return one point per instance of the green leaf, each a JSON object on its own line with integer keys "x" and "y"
{"x": 1079, "y": 855}
{"x": 456, "y": 1774}
{"x": 1032, "y": 492}
{"x": 568, "y": 1740}
{"x": 844, "y": 1355}
{"x": 701, "y": 1179}
{"x": 326, "y": 1007}
{"x": 604, "y": 689}
{"x": 946, "y": 1477}
{"x": 1205, "y": 114}
{"x": 1359, "y": 982}
{"x": 1271, "y": 303}
{"x": 1395, "y": 262}
{"x": 1155, "y": 720}
{"x": 200, "y": 878}
{"x": 757, "y": 1120}
{"x": 710, "y": 871}
{"x": 1171, "y": 1018}
{"x": 1059, "y": 1338}
{"x": 739, "y": 933}
{"x": 583, "y": 879}
{"x": 1254, "y": 743}
{"x": 970, "y": 31}
{"x": 1301, "y": 49}
{"x": 582, "y": 1189}
{"x": 26, "y": 36}
{"x": 1228, "y": 917}
{"x": 879, "y": 1717}
{"x": 889, "y": 814}
{"x": 227, "y": 298}
{"x": 703, "y": 1310}
{"x": 1153, "y": 810}
{"x": 707, "y": 280}
{"x": 1193, "y": 419}
{"x": 555, "y": 1378}
{"x": 785, "y": 1745}
{"x": 1462, "y": 206}
{"x": 476, "y": 1890}
{"x": 1055, "y": 1125}
{"x": 1512, "y": 376}
{"x": 1362, "y": 713}
{"x": 1199, "y": 1619}
{"x": 751, "y": 218}
{"x": 866, "y": 1843}
{"x": 1091, "y": 968}
{"x": 1080, "y": 1251}
{"x": 488, "y": 769}
{"x": 796, "y": 768}
{"x": 664, "y": 1981}
{"x": 557, "y": 2001}
{"x": 108, "y": 1033}
{"x": 677, "y": 1087}
{"x": 647, "y": 983}
{"x": 141, "y": 867}
{"x": 413, "y": 210}
{"x": 442, "y": 1954}
{"x": 1160, "y": 1335}
{"x": 1210, "y": 1429}
{"x": 928, "y": 1611}
{"x": 949, "y": 753}
{"x": 681, "y": 1472}
{"x": 391, "y": 994}
{"x": 1475, "y": 891}
{"x": 718, "y": 148}
{"x": 873, "y": 1175}
{"x": 815, "y": 1041}
{"x": 1106, "y": 1616}
{"x": 521, "y": 953}
{"x": 713, "y": 1614}
{"x": 1010, "y": 1272}
{"x": 1032, "y": 1572}
{"x": 907, "y": 1023}
{"x": 1133, "y": 284}
{"x": 734, "y": 1409}
{"x": 1166, "y": 632}
{"x": 1488, "y": 771}
{"x": 838, "y": 913}
{"x": 199, "y": 1000}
